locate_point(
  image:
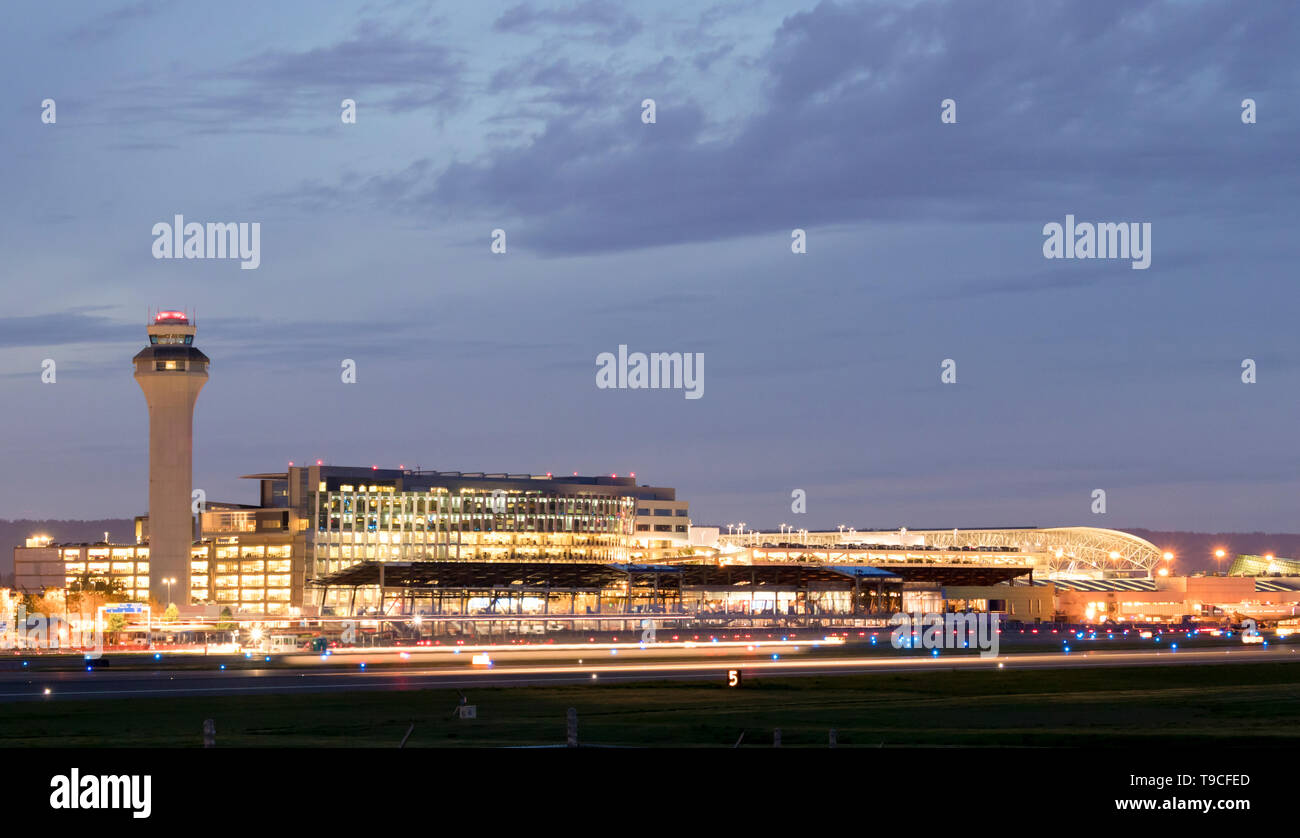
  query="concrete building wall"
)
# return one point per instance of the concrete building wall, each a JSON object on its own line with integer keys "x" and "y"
{"x": 37, "y": 568}
{"x": 171, "y": 394}
{"x": 704, "y": 536}
{"x": 662, "y": 527}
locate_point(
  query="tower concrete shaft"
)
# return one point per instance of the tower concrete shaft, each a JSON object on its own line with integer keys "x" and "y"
{"x": 171, "y": 372}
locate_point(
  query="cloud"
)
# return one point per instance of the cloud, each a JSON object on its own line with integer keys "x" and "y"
{"x": 77, "y": 325}
{"x": 1120, "y": 109}
{"x": 597, "y": 20}
{"x": 109, "y": 24}
{"x": 402, "y": 73}
{"x": 383, "y": 68}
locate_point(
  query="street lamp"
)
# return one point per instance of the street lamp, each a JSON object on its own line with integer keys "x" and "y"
{"x": 169, "y": 581}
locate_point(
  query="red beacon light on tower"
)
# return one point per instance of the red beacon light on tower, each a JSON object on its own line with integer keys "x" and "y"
{"x": 169, "y": 315}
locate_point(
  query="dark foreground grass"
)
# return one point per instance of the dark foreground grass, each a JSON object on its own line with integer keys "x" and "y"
{"x": 1240, "y": 704}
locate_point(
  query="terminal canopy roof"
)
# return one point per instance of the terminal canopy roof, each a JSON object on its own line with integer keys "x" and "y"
{"x": 481, "y": 575}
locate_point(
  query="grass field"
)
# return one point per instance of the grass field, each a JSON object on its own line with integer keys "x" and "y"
{"x": 1242, "y": 704}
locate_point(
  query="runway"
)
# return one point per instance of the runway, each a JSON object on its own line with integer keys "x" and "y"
{"x": 107, "y": 684}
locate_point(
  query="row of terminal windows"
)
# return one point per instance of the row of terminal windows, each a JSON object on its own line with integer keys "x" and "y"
{"x": 662, "y": 513}
{"x": 661, "y": 528}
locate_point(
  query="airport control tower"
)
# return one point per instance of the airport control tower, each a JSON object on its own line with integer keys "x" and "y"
{"x": 171, "y": 372}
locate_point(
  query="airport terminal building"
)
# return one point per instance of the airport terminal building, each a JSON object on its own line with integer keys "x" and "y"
{"x": 318, "y": 520}
{"x": 329, "y": 518}
{"x": 344, "y": 541}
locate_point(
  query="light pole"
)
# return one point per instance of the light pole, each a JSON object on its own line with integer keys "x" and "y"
{"x": 169, "y": 581}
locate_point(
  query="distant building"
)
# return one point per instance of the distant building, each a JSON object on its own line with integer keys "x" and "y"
{"x": 1264, "y": 566}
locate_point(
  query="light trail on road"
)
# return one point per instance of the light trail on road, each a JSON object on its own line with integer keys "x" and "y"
{"x": 103, "y": 684}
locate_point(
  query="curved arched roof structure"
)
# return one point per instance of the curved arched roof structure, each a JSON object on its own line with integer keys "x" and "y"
{"x": 1065, "y": 551}
{"x": 1071, "y": 550}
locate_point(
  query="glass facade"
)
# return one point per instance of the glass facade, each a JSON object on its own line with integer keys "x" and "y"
{"x": 127, "y": 567}
{"x": 378, "y": 523}
{"x": 247, "y": 578}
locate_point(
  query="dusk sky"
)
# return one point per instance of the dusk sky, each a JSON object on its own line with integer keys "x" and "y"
{"x": 822, "y": 370}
